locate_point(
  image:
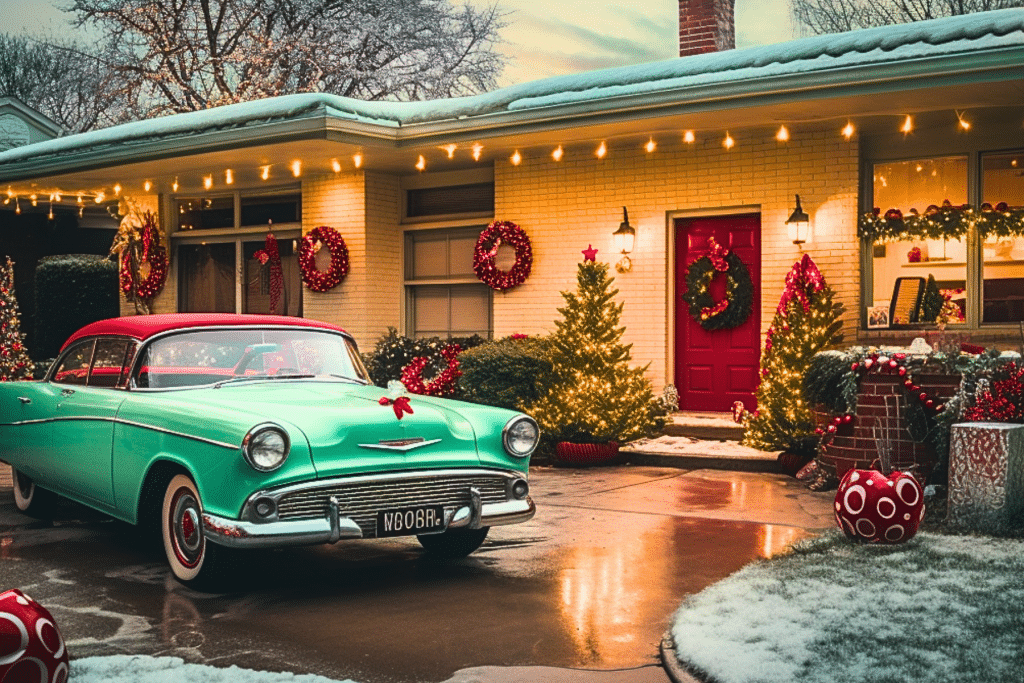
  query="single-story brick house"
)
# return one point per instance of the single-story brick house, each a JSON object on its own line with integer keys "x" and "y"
{"x": 709, "y": 144}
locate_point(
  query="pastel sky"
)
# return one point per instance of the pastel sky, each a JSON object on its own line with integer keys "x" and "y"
{"x": 543, "y": 38}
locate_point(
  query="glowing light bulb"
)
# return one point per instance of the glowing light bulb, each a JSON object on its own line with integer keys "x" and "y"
{"x": 908, "y": 125}
{"x": 848, "y": 130}
{"x": 557, "y": 154}
{"x": 357, "y": 159}
{"x": 783, "y": 134}
{"x": 421, "y": 163}
{"x": 208, "y": 182}
{"x": 265, "y": 172}
{"x": 10, "y": 192}
{"x": 964, "y": 123}
{"x": 34, "y": 199}
{"x": 728, "y": 142}
{"x": 147, "y": 186}
{"x": 689, "y": 137}
{"x": 296, "y": 168}
{"x": 174, "y": 185}
{"x": 451, "y": 150}
{"x": 602, "y": 151}
{"x": 651, "y": 145}
{"x": 336, "y": 165}
{"x": 477, "y": 148}
{"x": 117, "y": 190}
{"x": 100, "y": 196}
{"x": 229, "y": 176}
{"x": 516, "y": 158}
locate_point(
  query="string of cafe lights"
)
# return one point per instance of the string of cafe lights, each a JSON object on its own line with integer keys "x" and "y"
{"x": 294, "y": 168}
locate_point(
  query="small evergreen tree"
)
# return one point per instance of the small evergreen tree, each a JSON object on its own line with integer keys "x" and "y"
{"x": 596, "y": 396}
{"x": 931, "y": 302}
{"x": 14, "y": 361}
{"x": 806, "y": 322}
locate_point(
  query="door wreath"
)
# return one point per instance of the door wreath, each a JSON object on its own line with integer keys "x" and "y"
{"x": 315, "y": 279}
{"x": 736, "y": 307}
{"x": 496, "y": 234}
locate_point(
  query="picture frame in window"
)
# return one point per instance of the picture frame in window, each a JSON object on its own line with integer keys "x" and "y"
{"x": 878, "y": 317}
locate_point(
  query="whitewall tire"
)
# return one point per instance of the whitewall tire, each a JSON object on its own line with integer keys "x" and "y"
{"x": 193, "y": 560}
{"x": 29, "y": 498}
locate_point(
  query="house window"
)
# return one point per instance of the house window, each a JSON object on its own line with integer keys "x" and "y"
{"x": 476, "y": 198}
{"x": 444, "y": 297}
{"x": 1002, "y": 267}
{"x": 916, "y": 185}
{"x": 216, "y": 243}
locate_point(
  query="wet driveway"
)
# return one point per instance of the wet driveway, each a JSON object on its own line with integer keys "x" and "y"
{"x": 590, "y": 583}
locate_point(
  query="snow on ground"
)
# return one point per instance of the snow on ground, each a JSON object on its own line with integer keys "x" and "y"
{"x": 143, "y": 669}
{"x": 684, "y": 445}
{"x": 937, "y": 608}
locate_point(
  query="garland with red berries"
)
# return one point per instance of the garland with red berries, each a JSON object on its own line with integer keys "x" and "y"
{"x": 442, "y": 385}
{"x": 493, "y": 236}
{"x": 317, "y": 280}
{"x": 736, "y": 307}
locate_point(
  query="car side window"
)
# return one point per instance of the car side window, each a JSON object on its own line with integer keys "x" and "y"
{"x": 74, "y": 366}
{"x": 108, "y": 362}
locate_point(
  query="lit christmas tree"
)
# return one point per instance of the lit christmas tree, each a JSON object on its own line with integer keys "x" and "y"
{"x": 596, "y": 396}
{"x": 931, "y": 301}
{"x": 806, "y": 322}
{"x": 14, "y": 361}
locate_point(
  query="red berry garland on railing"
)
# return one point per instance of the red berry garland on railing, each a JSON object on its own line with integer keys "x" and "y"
{"x": 496, "y": 234}
{"x": 311, "y": 242}
{"x": 884, "y": 364}
{"x": 270, "y": 253}
{"x": 442, "y": 385}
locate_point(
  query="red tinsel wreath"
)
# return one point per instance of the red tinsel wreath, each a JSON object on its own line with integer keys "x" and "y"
{"x": 442, "y": 385}
{"x": 496, "y": 234}
{"x": 155, "y": 255}
{"x": 332, "y": 239}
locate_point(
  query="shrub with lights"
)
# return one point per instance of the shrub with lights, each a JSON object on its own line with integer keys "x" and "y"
{"x": 596, "y": 395}
{"x": 806, "y": 321}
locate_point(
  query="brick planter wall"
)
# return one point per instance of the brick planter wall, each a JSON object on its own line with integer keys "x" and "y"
{"x": 854, "y": 446}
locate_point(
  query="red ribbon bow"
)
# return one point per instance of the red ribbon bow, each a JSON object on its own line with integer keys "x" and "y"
{"x": 400, "y": 405}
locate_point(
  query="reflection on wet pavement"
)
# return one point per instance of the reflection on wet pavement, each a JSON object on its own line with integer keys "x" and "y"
{"x": 591, "y": 582}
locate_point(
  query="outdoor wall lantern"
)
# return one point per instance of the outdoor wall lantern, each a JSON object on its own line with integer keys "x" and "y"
{"x": 799, "y": 224}
{"x": 624, "y": 238}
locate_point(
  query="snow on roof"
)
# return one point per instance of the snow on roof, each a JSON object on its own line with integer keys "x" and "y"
{"x": 763, "y": 65}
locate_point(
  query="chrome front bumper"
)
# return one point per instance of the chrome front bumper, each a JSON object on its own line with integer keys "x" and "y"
{"x": 333, "y": 527}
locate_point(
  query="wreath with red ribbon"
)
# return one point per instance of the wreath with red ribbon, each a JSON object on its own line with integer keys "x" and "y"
{"x": 442, "y": 385}
{"x": 496, "y": 234}
{"x": 315, "y": 279}
{"x": 736, "y": 307}
{"x": 145, "y": 249}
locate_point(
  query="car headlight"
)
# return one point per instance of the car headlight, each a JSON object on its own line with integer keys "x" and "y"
{"x": 266, "y": 447}
{"x": 520, "y": 436}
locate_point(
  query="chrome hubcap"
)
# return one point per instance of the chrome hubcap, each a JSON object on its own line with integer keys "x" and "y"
{"x": 187, "y": 529}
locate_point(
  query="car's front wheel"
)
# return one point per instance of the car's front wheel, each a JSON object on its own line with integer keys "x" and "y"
{"x": 194, "y": 562}
{"x": 31, "y": 499}
{"x": 454, "y": 543}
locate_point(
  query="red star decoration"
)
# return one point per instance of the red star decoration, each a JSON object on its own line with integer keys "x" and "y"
{"x": 590, "y": 254}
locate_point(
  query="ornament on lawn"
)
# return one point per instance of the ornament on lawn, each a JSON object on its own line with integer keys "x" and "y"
{"x": 486, "y": 250}
{"x": 31, "y": 646}
{"x": 397, "y": 399}
{"x": 143, "y": 258}
{"x": 323, "y": 236}
{"x": 876, "y": 508}
{"x": 270, "y": 253}
{"x": 442, "y": 385}
{"x": 736, "y": 307}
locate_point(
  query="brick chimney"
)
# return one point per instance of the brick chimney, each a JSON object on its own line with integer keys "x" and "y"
{"x": 706, "y": 26}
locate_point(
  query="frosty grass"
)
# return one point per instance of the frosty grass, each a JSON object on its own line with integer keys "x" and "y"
{"x": 142, "y": 669}
{"x": 937, "y": 608}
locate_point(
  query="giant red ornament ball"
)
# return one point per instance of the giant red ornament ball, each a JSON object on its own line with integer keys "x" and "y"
{"x": 31, "y": 647}
{"x": 874, "y": 508}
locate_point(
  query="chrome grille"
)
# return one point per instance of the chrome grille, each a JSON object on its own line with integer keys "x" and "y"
{"x": 360, "y": 500}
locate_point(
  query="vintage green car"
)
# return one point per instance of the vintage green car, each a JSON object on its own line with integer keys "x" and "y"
{"x": 235, "y": 431}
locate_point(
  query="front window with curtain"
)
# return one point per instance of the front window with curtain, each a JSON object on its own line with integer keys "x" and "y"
{"x": 1002, "y": 269}
{"x": 217, "y": 241}
{"x": 444, "y": 296}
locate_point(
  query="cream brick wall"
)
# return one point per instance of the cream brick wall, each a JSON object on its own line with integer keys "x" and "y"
{"x": 566, "y": 205}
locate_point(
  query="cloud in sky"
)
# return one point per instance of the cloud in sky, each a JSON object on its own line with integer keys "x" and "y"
{"x": 543, "y": 37}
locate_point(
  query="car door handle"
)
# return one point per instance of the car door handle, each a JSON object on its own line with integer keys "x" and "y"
{"x": 24, "y": 399}
{"x": 66, "y": 392}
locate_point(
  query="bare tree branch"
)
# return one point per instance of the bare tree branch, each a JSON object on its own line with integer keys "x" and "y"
{"x": 836, "y": 16}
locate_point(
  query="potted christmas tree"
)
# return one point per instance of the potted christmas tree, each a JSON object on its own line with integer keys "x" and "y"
{"x": 597, "y": 399}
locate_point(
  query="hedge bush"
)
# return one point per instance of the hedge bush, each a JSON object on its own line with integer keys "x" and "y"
{"x": 394, "y": 351}
{"x": 72, "y": 291}
{"x": 507, "y": 373}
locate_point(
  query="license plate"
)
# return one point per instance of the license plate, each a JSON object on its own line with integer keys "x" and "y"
{"x": 419, "y": 520}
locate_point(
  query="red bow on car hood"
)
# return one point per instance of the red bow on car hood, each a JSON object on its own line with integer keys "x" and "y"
{"x": 400, "y": 404}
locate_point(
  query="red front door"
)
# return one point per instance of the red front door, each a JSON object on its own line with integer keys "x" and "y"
{"x": 714, "y": 369}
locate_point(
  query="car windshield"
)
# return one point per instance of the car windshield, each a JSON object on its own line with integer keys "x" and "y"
{"x": 202, "y": 357}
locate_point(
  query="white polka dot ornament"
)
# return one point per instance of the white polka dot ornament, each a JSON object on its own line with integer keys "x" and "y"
{"x": 875, "y": 508}
{"x": 31, "y": 648}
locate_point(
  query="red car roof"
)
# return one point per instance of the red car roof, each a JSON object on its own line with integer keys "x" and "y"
{"x": 145, "y": 326}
